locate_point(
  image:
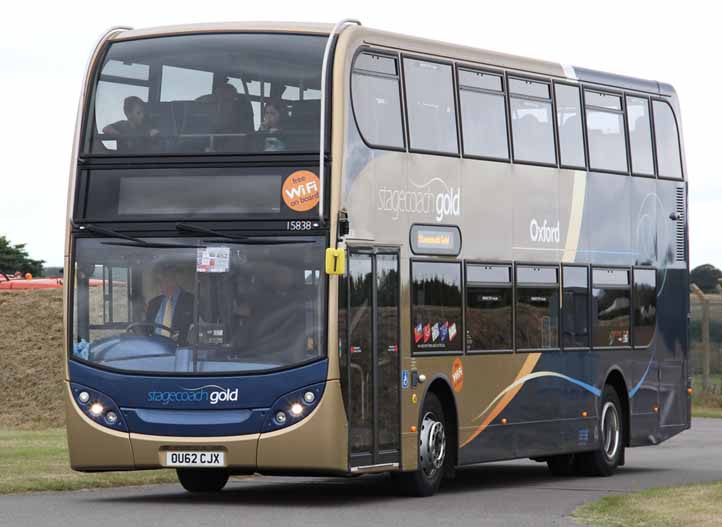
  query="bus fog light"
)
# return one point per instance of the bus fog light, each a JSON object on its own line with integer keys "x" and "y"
{"x": 296, "y": 409}
{"x": 280, "y": 418}
{"x": 111, "y": 418}
{"x": 309, "y": 397}
{"x": 96, "y": 409}
{"x": 84, "y": 397}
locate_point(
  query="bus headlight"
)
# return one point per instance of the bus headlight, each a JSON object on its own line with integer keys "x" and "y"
{"x": 293, "y": 407}
{"x": 98, "y": 407}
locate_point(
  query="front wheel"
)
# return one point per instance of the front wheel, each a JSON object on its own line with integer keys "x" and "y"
{"x": 605, "y": 460}
{"x": 426, "y": 479}
{"x": 202, "y": 480}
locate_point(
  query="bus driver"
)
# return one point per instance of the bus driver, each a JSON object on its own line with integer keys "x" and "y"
{"x": 173, "y": 308}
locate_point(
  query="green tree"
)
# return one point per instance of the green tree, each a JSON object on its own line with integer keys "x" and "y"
{"x": 705, "y": 276}
{"x": 15, "y": 258}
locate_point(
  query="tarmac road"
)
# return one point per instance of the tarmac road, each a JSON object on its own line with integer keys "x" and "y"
{"x": 512, "y": 493}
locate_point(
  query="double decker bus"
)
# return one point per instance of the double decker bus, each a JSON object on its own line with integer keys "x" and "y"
{"x": 330, "y": 250}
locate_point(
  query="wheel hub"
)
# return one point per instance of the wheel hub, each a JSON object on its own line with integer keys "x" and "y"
{"x": 610, "y": 430}
{"x": 432, "y": 445}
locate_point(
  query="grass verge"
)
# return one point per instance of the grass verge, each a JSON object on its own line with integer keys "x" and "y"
{"x": 38, "y": 460}
{"x": 698, "y": 505}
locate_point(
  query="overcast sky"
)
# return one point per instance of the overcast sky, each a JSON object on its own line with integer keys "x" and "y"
{"x": 44, "y": 47}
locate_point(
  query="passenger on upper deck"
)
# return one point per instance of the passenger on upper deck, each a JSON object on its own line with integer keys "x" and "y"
{"x": 133, "y": 132}
{"x": 232, "y": 115}
{"x": 271, "y": 124}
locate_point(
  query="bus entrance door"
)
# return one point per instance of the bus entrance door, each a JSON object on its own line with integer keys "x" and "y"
{"x": 372, "y": 358}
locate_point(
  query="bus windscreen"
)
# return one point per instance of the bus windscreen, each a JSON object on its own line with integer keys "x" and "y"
{"x": 208, "y": 93}
{"x": 192, "y": 306}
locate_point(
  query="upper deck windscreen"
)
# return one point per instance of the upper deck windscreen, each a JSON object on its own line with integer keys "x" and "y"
{"x": 208, "y": 93}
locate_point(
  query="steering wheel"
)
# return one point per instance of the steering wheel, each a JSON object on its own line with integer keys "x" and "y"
{"x": 152, "y": 325}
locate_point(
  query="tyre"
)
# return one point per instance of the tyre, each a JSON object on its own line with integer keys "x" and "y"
{"x": 433, "y": 459}
{"x": 605, "y": 460}
{"x": 202, "y": 480}
{"x": 563, "y": 465}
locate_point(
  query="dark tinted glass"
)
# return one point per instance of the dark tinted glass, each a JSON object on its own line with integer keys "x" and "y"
{"x": 192, "y": 193}
{"x": 667, "y": 139}
{"x": 430, "y": 106}
{"x": 200, "y": 307}
{"x": 387, "y": 363}
{"x": 361, "y": 416}
{"x": 377, "y": 102}
{"x": 436, "y": 306}
{"x": 611, "y": 317}
{"x": 488, "y": 318}
{"x": 483, "y": 121}
{"x": 575, "y": 306}
{"x": 244, "y": 93}
{"x": 569, "y": 122}
{"x": 640, "y": 136}
{"x": 537, "y": 317}
{"x": 645, "y": 306}
{"x": 532, "y": 130}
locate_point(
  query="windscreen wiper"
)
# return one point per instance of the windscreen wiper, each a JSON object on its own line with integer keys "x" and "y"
{"x": 132, "y": 240}
{"x": 195, "y": 229}
{"x": 240, "y": 240}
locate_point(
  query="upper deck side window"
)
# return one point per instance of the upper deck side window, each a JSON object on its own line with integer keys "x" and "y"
{"x": 666, "y": 135}
{"x": 430, "y": 107}
{"x": 207, "y": 93}
{"x": 532, "y": 123}
{"x": 605, "y": 131}
{"x": 640, "y": 135}
{"x": 483, "y": 114}
{"x": 376, "y": 99}
{"x": 569, "y": 124}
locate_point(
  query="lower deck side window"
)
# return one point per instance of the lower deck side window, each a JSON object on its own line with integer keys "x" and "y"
{"x": 537, "y": 308}
{"x": 645, "y": 306}
{"x": 488, "y": 308}
{"x": 611, "y": 308}
{"x": 436, "y": 310}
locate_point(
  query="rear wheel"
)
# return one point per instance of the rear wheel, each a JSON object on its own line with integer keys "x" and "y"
{"x": 202, "y": 480}
{"x": 605, "y": 460}
{"x": 433, "y": 458}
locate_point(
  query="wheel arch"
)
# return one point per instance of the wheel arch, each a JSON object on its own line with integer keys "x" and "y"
{"x": 440, "y": 387}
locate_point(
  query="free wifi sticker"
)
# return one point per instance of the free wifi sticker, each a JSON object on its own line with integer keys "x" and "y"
{"x": 301, "y": 190}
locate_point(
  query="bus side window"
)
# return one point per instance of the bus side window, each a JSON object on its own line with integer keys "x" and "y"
{"x": 537, "y": 307}
{"x": 532, "y": 125}
{"x": 640, "y": 136}
{"x": 575, "y": 307}
{"x": 569, "y": 122}
{"x": 611, "y": 308}
{"x": 483, "y": 114}
{"x": 430, "y": 106}
{"x": 376, "y": 99}
{"x": 666, "y": 138}
{"x": 488, "y": 308}
{"x": 605, "y": 132}
{"x": 645, "y": 306}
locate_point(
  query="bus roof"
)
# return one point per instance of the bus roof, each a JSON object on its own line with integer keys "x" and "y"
{"x": 411, "y": 44}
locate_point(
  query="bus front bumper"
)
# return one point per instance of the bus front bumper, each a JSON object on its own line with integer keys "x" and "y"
{"x": 316, "y": 444}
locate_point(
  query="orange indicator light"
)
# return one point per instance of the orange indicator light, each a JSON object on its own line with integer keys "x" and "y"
{"x": 584, "y": 413}
{"x": 656, "y": 409}
{"x": 413, "y": 429}
{"x": 690, "y": 390}
{"x": 503, "y": 420}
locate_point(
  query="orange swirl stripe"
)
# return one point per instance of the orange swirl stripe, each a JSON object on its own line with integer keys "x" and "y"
{"x": 526, "y": 369}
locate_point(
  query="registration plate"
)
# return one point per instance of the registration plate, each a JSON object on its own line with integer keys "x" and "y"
{"x": 179, "y": 458}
